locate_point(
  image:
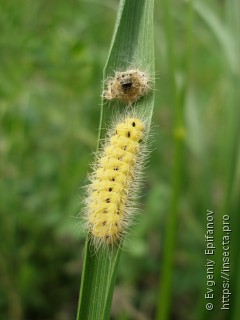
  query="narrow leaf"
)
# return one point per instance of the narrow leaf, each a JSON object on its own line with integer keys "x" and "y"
{"x": 132, "y": 45}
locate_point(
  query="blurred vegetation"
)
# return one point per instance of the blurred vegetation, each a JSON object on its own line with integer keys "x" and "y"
{"x": 52, "y": 54}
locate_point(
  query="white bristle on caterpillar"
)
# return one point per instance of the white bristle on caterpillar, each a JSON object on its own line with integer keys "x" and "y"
{"x": 127, "y": 86}
{"x": 109, "y": 206}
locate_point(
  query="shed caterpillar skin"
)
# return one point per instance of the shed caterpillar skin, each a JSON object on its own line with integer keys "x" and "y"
{"x": 109, "y": 207}
{"x": 128, "y": 86}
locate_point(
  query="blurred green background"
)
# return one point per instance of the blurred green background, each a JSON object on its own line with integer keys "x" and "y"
{"x": 52, "y": 54}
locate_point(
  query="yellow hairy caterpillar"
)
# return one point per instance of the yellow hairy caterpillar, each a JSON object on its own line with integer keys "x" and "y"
{"x": 109, "y": 208}
{"x": 127, "y": 86}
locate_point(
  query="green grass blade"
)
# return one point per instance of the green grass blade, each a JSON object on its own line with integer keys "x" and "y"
{"x": 98, "y": 278}
{"x": 220, "y": 31}
{"x": 178, "y": 102}
{"x": 132, "y": 45}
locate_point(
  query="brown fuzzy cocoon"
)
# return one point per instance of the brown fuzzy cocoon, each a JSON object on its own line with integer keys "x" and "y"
{"x": 127, "y": 86}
